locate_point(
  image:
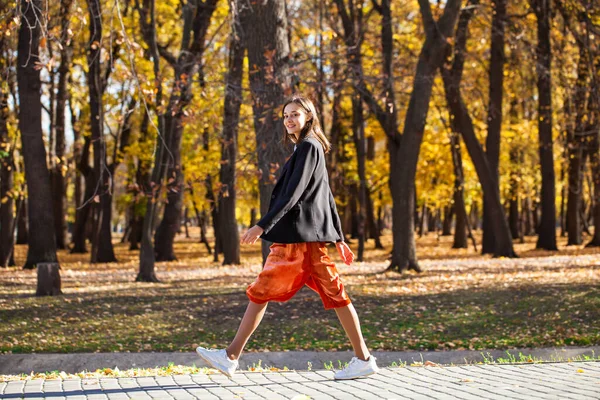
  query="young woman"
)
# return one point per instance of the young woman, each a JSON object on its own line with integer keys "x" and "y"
{"x": 301, "y": 220}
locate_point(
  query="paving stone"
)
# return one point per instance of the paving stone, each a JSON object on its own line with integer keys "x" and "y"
{"x": 569, "y": 381}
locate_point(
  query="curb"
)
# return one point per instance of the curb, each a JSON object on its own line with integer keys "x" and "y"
{"x": 12, "y": 364}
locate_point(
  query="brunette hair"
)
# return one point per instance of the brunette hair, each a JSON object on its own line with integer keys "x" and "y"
{"x": 313, "y": 126}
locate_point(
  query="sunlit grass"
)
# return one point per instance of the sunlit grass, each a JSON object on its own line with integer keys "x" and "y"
{"x": 461, "y": 301}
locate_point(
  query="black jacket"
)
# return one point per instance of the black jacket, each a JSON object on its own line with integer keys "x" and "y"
{"x": 302, "y": 207}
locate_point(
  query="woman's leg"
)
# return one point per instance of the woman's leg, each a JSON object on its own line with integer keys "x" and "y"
{"x": 252, "y": 317}
{"x": 349, "y": 320}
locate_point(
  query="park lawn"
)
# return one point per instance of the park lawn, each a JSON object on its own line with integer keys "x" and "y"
{"x": 461, "y": 301}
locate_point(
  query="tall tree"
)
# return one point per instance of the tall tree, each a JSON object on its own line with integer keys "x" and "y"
{"x": 269, "y": 75}
{"x": 460, "y": 228}
{"x": 404, "y": 153}
{"x": 576, "y": 143}
{"x": 496, "y": 92}
{"x": 59, "y": 191}
{"x": 42, "y": 246}
{"x": 7, "y": 167}
{"x": 102, "y": 248}
{"x": 403, "y": 149}
{"x": 352, "y": 22}
{"x": 146, "y": 273}
{"x": 461, "y": 120}
{"x": 229, "y": 141}
{"x": 547, "y": 227}
{"x": 196, "y": 17}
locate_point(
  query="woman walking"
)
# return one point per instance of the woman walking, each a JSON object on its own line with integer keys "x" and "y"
{"x": 301, "y": 220}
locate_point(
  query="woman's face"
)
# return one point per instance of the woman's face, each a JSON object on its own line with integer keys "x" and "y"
{"x": 294, "y": 119}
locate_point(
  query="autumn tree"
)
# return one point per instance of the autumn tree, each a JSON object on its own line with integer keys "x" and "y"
{"x": 229, "y": 140}
{"x": 42, "y": 246}
{"x": 547, "y": 228}
{"x": 269, "y": 76}
{"x": 196, "y": 16}
{"x": 7, "y": 164}
{"x": 496, "y": 94}
{"x": 461, "y": 120}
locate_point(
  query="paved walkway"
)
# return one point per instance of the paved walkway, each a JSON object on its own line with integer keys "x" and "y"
{"x": 576, "y": 380}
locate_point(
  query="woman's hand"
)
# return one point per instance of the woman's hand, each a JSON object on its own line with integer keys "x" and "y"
{"x": 345, "y": 253}
{"x": 251, "y": 236}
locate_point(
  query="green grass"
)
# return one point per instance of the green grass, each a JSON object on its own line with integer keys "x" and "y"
{"x": 522, "y": 316}
{"x": 472, "y": 302}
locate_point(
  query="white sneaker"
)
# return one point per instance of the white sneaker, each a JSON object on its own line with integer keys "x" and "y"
{"x": 218, "y": 359}
{"x": 358, "y": 368}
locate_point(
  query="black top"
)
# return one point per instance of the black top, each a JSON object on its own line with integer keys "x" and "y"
{"x": 302, "y": 207}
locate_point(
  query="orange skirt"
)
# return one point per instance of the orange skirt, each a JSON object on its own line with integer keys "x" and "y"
{"x": 291, "y": 266}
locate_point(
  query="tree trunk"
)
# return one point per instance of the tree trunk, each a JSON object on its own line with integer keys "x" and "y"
{"x": 169, "y": 225}
{"x": 373, "y": 223}
{"x": 460, "y": 229}
{"x": 146, "y": 272}
{"x": 595, "y": 166}
{"x": 492, "y": 144}
{"x": 448, "y": 215}
{"x": 102, "y": 248}
{"x": 528, "y": 223}
{"x": 403, "y": 159}
{"x": 474, "y": 216}
{"x": 59, "y": 189}
{"x": 196, "y": 17}
{"x": 515, "y": 155}
{"x": 576, "y": 140}
{"x": 76, "y": 155}
{"x": 547, "y": 228}
{"x": 22, "y": 230}
{"x": 48, "y": 282}
{"x": 83, "y": 212}
{"x": 42, "y": 246}
{"x": 433, "y": 223}
{"x": 461, "y": 120}
{"x": 229, "y": 147}
{"x": 202, "y": 222}
{"x": 358, "y": 128}
{"x": 269, "y": 75}
{"x": 7, "y": 167}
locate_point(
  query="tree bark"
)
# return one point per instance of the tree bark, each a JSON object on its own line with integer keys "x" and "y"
{"x": 82, "y": 213}
{"x": 102, "y": 248}
{"x": 515, "y": 156}
{"x": 48, "y": 282}
{"x": 269, "y": 76}
{"x": 404, "y": 155}
{"x": 42, "y": 246}
{"x": 196, "y": 17}
{"x": 146, "y": 272}
{"x": 358, "y": 128}
{"x": 22, "y": 230}
{"x": 462, "y": 121}
{"x": 7, "y": 167}
{"x": 492, "y": 144}
{"x": 460, "y": 229}
{"x": 59, "y": 189}
{"x": 448, "y": 215}
{"x": 576, "y": 142}
{"x": 229, "y": 143}
{"x": 547, "y": 227}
